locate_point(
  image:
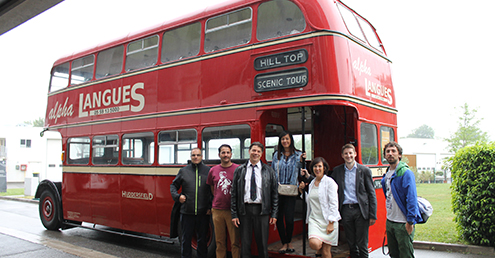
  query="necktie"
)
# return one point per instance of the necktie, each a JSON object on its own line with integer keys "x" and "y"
{"x": 253, "y": 183}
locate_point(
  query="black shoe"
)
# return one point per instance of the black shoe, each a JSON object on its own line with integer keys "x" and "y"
{"x": 290, "y": 250}
{"x": 282, "y": 251}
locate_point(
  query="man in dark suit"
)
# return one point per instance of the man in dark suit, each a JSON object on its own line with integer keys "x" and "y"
{"x": 254, "y": 201}
{"x": 357, "y": 201}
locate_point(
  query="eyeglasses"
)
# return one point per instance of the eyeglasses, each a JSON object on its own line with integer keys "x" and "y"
{"x": 195, "y": 155}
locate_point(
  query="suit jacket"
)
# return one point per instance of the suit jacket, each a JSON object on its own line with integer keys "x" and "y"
{"x": 365, "y": 190}
{"x": 269, "y": 191}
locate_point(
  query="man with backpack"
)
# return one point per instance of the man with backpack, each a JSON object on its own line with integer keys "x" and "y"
{"x": 399, "y": 187}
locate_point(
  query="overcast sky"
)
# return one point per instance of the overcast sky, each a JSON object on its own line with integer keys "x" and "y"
{"x": 442, "y": 53}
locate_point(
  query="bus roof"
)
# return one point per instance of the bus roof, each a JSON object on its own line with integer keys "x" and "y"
{"x": 311, "y": 9}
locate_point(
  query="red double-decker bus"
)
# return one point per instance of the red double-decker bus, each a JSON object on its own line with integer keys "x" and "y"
{"x": 130, "y": 111}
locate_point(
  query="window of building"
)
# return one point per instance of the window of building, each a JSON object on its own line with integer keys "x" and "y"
{"x": 233, "y": 135}
{"x": 82, "y": 70}
{"x": 60, "y": 77}
{"x": 106, "y": 150}
{"x": 228, "y": 30}
{"x": 109, "y": 62}
{"x": 369, "y": 144}
{"x": 142, "y": 53}
{"x": 279, "y": 18}
{"x": 25, "y": 143}
{"x": 138, "y": 148}
{"x": 181, "y": 43}
{"x": 351, "y": 22}
{"x": 174, "y": 147}
{"x": 78, "y": 149}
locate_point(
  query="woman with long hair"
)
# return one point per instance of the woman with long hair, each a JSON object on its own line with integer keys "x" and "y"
{"x": 287, "y": 164}
{"x": 323, "y": 209}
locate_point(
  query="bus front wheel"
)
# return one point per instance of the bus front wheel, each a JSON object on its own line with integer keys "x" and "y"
{"x": 49, "y": 208}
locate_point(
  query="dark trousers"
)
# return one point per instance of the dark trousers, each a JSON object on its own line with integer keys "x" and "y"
{"x": 356, "y": 230}
{"x": 250, "y": 222}
{"x": 285, "y": 220}
{"x": 190, "y": 224}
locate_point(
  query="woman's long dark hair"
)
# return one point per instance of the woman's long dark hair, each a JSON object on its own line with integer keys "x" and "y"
{"x": 280, "y": 148}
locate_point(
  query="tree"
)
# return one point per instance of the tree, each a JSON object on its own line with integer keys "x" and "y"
{"x": 40, "y": 122}
{"x": 468, "y": 132}
{"x": 423, "y": 131}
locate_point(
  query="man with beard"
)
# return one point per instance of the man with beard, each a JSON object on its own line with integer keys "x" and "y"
{"x": 399, "y": 187}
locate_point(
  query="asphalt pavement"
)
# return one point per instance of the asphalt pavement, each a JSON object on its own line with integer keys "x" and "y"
{"x": 19, "y": 246}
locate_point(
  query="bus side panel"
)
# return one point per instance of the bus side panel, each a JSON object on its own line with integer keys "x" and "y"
{"x": 164, "y": 203}
{"x": 377, "y": 231}
{"x": 105, "y": 200}
{"x": 138, "y": 203}
{"x": 178, "y": 87}
{"x": 76, "y": 196}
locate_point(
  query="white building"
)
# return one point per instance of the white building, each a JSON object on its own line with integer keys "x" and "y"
{"x": 430, "y": 153}
{"x": 26, "y": 154}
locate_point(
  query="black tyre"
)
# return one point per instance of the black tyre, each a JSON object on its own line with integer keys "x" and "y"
{"x": 49, "y": 209}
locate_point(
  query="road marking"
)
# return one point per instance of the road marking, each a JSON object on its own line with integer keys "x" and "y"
{"x": 55, "y": 244}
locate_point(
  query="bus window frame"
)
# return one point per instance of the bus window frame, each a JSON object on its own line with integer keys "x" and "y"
{"x": 226, "y": 26}
{"x": 115, "y": 146}
{"x": 210, "y": 131}
{"x": 176, "y": 150}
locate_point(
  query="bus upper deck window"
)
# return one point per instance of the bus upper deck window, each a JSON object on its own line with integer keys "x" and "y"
{"x": 82, "y": 70}
{"x": 109, "y": 62}
{"x": 279, "y": 18}
{"x": 228, "y": 30}
{"x": 181, "y": 43}
{"x": 60, "y": 77}
{"x": 370, "y": 34}
{"x": 142, "y": 53}
{"x": 351, "y": 22}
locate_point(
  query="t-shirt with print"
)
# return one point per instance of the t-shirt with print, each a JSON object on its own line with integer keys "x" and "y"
{"x": 221, "y": 180}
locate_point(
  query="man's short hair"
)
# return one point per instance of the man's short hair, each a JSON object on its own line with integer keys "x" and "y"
{"x": 348, "y": 146}
{"x": 200, "y": 152}
{"x": 224, "y": 145}
{"x": 392, "y": 144}
{"x": 257, "y": 144}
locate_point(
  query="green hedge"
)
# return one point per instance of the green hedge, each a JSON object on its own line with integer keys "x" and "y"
{"x": 473, "y": 193}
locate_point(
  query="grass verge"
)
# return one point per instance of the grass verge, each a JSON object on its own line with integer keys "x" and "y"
{"x": 440, "y": 226}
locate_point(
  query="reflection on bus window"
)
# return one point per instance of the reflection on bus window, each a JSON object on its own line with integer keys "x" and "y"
{"x": 60, "y": 77}
{"x": 386, "y": 135}
{"x": 245, "y": 149}
{"x": 109, "y": 62}
{"x": 228, "y": 30}
{"x": 78, "y": 150}
{"x": 142, "y": 53}
{"x": 138, "y": 149}
{"x": 272, "y": 132}
{"x": 233, "y": 135}
{"x": 369, "y": 144}
{"x": 351, "y": 22}
{"x": 175, "y": 146}
{"x": 370, "y": 34}
{"x": 181, "y": 43}
{"x": 106, "y": 150}
{"x": 82, "y": 70}
{"x": 279, "y": 18}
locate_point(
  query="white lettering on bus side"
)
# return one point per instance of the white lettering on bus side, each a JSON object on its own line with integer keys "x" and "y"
{"x": 61, "y": 111}
{"x": 137, "y": 195}
{"x": 378, "y": 91}
{"x": 116, "y": 96}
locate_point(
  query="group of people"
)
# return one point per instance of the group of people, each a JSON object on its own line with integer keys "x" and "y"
{"x": 244, "y": 199}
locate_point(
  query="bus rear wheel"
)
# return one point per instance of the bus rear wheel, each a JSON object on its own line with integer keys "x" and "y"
{"x": 49, "y": 209}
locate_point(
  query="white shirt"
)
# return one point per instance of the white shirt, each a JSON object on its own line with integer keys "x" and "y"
{"x": 247, "y": 185}
{"x": 393, "y": 211}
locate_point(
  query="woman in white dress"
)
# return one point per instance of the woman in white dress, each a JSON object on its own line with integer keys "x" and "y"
{"x": 323, "y": 209}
